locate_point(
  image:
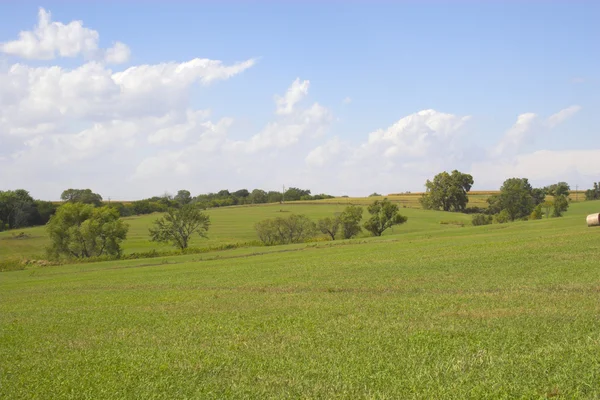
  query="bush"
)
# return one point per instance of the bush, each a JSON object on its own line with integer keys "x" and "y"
{"x": 292, "y": 229}
{"x": 502, "y": 217}
{"x": 481, "y": 219}
{"x": 474, "y": 210}
{"x": 537, "y": 213}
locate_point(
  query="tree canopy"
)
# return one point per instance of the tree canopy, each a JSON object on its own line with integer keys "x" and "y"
{"x": 79, "y": 230}
{"x": 384, "y": 215}
{"x": 448, "y": 192}
{"x": 179, "y": 224}
{"x": 85, "y": 196}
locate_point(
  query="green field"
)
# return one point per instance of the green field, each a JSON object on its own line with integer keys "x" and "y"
{"x": 429, "y": 311}
{"x": 230, "y": 225}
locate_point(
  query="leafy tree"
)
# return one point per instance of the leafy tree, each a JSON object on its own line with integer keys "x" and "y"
{"x": 559, "y": 189}
{"x": 258, "y": 196}
{"x": 293, "y": 229}
{"x": 502, "y": 217}
{"x": 178, "y": 225}
{"x": 43, "y": 210}
{"x": 274, "y": 197}
{"x": 223, "y": 193}
{"x": 350, "y": 221}
{"x": 384, "y": 215}
{"x": 293, "y": 194}
{"x": 16, "y": 208}
{"x": 183, "y": 197}
{"x": 330, "y": 226}
{"x": 538, "y": 195}
{"x": 375, "y": 194}
{"x": 448, "y": 192}
{"x": 537, "y": 212}
{"x": 85, "y": 196}
{"x": 516, "y": 198}
{"x": 242, "y": 193}
{"x": 547, "y": 205}
{"x": 561, "y": 204}
{"x": 593, "y": 194}
{"x": 79, "y": 230}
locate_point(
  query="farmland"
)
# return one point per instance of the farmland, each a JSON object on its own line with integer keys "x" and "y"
{"x": 429, "y": 310}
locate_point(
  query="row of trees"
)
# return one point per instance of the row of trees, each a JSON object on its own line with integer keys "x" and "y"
{"x": 299, "y": 228}
{"x": 593, "y": 194}
{"x": 516, "y": 200}
{"x": 18, "y": 210}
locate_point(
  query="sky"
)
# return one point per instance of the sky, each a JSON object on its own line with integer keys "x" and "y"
{"x": 134, "y": 99}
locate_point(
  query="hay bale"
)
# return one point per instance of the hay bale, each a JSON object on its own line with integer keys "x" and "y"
{"x": 593, "y": 220}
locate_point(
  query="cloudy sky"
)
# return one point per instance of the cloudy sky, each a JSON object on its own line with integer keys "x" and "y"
{"x": 138, "y": 98}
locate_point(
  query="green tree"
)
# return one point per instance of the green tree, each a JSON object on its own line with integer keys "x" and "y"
{"x": 16, "y": 208}
{"x": 79, "y": 230}
{"x": 43, "y": 211}
{"x": 242, "y": 193}
{"x": 516, "y": 198}
{"x": 448, "y": 192}
{"x": 593, "y": 194}
{"x": 258, "y": 196}
{"x": 547, "y": 205}
{"x": 375, "y": 194}
{"x": 384, "y": 215}
{"x": 179, "y": 224}
{"x": 481, "y": 219}
{"x": 537, "y": 213}
{"x": 274, "y": 197}
{"x": 350, "y": 220}
{"x": 85, "y": 196}
{"x": 330, "y": 225}
{"x": 183, "y": 197}
{"x": 559, "y": 189}
{"x": 561, "y": 204}
{"x": 292, "y": 229}
{"x": 293, "y": 194}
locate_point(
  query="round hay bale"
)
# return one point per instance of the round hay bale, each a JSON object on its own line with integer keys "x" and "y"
{"x": 593, "y": 220}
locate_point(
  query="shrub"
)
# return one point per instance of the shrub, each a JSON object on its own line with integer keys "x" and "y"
{"x": 292, "y": 229}
{"x": 481, "y": 219}
{"x": 502, "y": 217}
{"x": 537, "y": 212}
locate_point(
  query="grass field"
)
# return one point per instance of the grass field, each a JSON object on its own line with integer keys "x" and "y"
{"x": 431, "y": 311}
{"x": 230, "y": 225}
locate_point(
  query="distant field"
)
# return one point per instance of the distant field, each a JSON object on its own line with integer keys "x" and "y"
{"x": 499, "y": 311}
{"x": 229, "y": 225}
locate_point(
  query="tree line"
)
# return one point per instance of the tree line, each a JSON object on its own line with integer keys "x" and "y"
{"x": 517, "y": 199}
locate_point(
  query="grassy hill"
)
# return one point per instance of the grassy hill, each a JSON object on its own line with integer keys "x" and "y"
{"x": 499, "y": 311}
{"x": 230, "y": 225}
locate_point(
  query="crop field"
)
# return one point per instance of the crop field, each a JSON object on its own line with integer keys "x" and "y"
{"x": 429, "y": 311}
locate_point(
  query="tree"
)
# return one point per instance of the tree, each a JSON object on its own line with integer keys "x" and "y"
{"x": 350, "y": 221}
{"x": 85, "y": 196}
{"x": 538, "y": 195}
{"x": 242, "y": 193}
{"x": 384, "y": 215}
{"x": 79, "y": 230}
{"x": 516, "y": 198}
{"x": 593, "y": 194}
{"x": 448, "y": 192}
{"x": 183, "y": 197}
{"x": 258, "y": 196}
{"x": 178, "y": 225}
{"x": 559, "y": 189}
{"x": 293, "y": 194}
{"x": 375, "y": 194}
{"x": 274, "y": 197}
{"x": 547, "y": 205}
{"x": 16, "y": 208}
{"x": 481, "y": 219}
{"x": 43, "y": 211}
{"x": 293, "y": 229}
{"x": 330, "y": 225}
{"x": 561, "y": 204}
{"x": 537, "y": 212}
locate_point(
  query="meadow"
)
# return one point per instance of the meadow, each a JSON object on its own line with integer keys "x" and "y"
{"x": 429, "y": 311}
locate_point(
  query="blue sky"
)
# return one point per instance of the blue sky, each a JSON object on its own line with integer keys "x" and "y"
{"x": 369, "y": 65}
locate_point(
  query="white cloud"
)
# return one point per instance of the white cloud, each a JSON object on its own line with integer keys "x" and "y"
{"x": 347, "y": 100}
{"x": 563, "y": 115}
{"x": 518, "y": 134}
{"x": 296, "y": 92}
{"x": 542, "y": 166}
{"x": 50, "y": 39}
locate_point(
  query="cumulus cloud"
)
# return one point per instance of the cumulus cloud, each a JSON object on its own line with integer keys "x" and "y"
{"x": 50, "y": 39}
{"x": 296, "y": 92}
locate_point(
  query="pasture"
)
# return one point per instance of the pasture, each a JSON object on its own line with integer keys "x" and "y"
{"x": 428, "y": 311}
{"x": 229, "y": 225}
